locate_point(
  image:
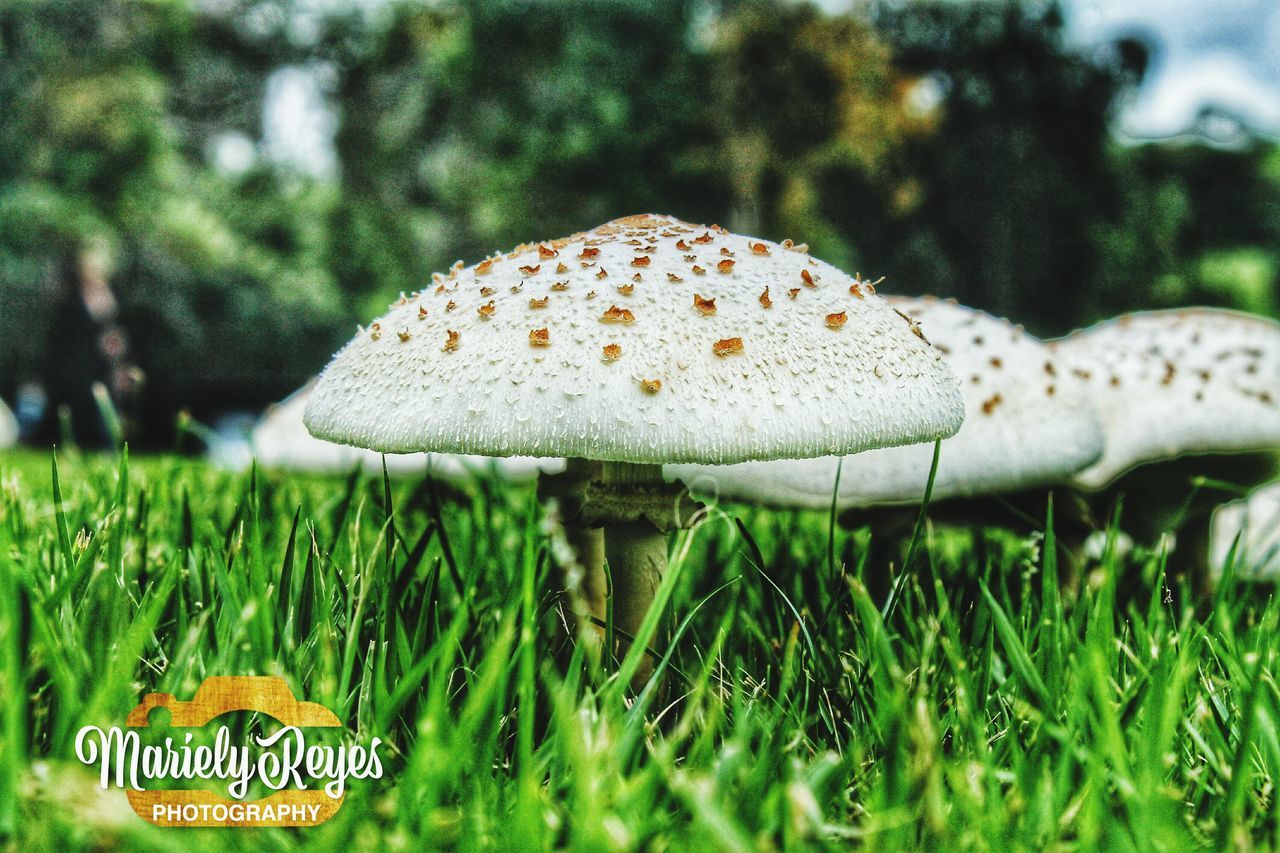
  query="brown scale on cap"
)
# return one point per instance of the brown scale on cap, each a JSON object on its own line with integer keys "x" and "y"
{"x": 725, "y": 266}
{"x": 422, "y": 312}
{"x": 516, "y": 288}
{"x": 807, "y": 278}
{"x": 682, "y": 245}
{"x": 1050, "y": 391}
{"x": 673, "y": 277}
{"x": 1170, "y": 371}
{"x": 602, "y": 273}
{"x": 916, "y": 330}
{"x": 450, "y": 305}
{"x": 636, "y": 278}
{"x": 640, "y": 261}
{"x": 856, "y": 290}
{"x": 404, "y": 335}
{"x": 439, "y": 290}
{"x": 486, "y": 310}
{"x": 586, "y": 265}
{"x": 706, "y": 307}
{"x": 697, "y": 270}
{"x": 617, "y": 315}
{"x": 545, "y": 252}
{"x": 484, "y": 267}
{"x": 765, "y": 301}
{"x": 705, "y": 238}
{"x": 724, "y": 250}
{"x": 626, "y": 289}
{"x": 531, "y": 269}
{"x": 759, "y": 249}
{"x": 1050, "y": 369}
{"x": 996, "y": 362}
{"x": 540, "y": 337}
{"x": 651, "y": 386}
{"x": 727, "y": 346}
{"x": 837, "y": 320}
{"x": 688, "y": 259}
{"x": 487, "y": 291}
{"x": 589, "y": 252}
{"x": 989, "y": 405}
{"x": 452, "y": 340}
{"x": 793, "y": 292}
{"x": 591, "y": 294}
{"x": 612, "y": 352}
{"x": 375, "y": 331}
{"x": 560, "y": 285}
{"x": 540, "y": 303}
{"x": 561, "y": 268}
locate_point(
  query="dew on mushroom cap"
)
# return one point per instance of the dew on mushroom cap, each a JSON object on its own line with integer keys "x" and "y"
{"x": 1015, "y": 436}
{"x": 1165, "y": 383}
{"x": 795, "y": 389}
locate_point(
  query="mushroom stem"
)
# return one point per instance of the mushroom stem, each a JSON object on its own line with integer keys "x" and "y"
{"x": 637, "y": 556}
{"x": 586, "y": 542}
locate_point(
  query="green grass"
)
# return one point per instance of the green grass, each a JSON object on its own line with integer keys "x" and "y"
{"x": 977, "y": 708}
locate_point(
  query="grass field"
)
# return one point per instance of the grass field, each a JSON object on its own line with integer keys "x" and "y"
{"x": 975, "y": 708}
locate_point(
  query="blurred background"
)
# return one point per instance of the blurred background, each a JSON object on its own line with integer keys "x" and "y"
{"x": 199, "y": 199}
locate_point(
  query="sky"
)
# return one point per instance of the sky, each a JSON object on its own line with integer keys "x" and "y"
{"x": 1214, "y": 67}
{"x": 1213, "y": 77}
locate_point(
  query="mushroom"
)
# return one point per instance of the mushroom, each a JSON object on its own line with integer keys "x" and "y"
{"x": 1184, "y": 381}
{"x": 281, "y": 441}
{"x": 1022, "y": 429}
{"x": 8, "y": 427}
{"x": 637, "y": 383}
{"x": 1199, "y": 383}
{"x": 1254, "y": 523}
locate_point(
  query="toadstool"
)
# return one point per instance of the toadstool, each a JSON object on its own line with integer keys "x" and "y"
{"x": 1198, "y": 383}
{"x": 795, "y": 387}
{"x": 1184, "y": 381}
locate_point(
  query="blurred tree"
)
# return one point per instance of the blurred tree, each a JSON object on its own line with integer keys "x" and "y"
{"x": 801, "y": 96}
{"x": 1015, "y": 183}
{"x": 108, "y": 116}
{"x": 469, "y": 127}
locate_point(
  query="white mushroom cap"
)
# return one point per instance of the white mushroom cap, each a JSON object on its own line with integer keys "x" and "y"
{"x": 1022, "y": 428}
{"x": 646, "y": 340}
{"x": 1166, "y": 383}
{"x": 280, "y": 440}
{"x": 1256, "y": 520}
{"x": 8, "y": 427}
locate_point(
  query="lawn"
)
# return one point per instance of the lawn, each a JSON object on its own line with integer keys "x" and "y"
{"x": 975, "y": 707}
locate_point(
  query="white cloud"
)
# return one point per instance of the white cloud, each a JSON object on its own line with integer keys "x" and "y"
{"x": 1214, "y": 68}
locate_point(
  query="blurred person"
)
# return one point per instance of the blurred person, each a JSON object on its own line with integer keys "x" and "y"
{"x": 86, "y": 347}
